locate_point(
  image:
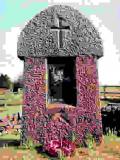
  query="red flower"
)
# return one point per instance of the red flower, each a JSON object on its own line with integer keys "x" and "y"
{"x": 52, "y": 147}
{"x": 67, "y": 147}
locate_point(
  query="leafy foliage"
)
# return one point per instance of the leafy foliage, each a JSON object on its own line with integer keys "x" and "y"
{"x": 5, "y": 81}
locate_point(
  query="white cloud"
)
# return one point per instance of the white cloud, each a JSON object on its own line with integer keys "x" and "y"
{"x": 14, "y": 66}
{"x": 81, "y": 2}
{"x": 109, "y": 64}
{"x": 97, "y": 2}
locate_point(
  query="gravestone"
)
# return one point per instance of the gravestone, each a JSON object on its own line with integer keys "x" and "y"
{"x": 60, "y": 48}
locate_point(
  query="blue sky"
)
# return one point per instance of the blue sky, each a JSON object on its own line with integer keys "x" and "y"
{"x": 2, "y": 6}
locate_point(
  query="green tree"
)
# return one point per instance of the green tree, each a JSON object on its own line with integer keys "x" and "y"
{"x": 5, "y": 81}
{"x": 18, "y": 83}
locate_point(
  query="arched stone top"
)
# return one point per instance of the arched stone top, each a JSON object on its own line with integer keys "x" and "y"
{"x": 42, "y": 38}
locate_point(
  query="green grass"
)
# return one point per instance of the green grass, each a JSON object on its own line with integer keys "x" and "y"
{"x": 111, "y": 137}
{"x": 12, "y": 99}
{"x": 111, "y": 87}
{"x": 104, "y": 103}
{"x": 92, "y": 153}
{"x": 10, "y": 137}
{"x": 10, "y": 110}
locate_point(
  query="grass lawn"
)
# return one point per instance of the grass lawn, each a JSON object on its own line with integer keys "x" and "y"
{"x": 9, "y": 137}
{"x": 11, "y": 153}
{"x": 109, "y": 88}
{"x": 103, "y": 103}
{"x": 108, "y": 150}
{"x": 11, "y": 98}
{"x": 10, "y": 110}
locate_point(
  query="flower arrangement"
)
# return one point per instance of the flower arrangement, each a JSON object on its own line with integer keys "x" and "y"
{"x": 55, "y": 146}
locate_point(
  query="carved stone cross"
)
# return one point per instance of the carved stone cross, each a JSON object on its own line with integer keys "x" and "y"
{"x": 60, "y": 29}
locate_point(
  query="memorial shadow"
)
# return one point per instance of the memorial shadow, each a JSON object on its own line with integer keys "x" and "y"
{"x": 112, "y": 100}
{"x": 45, "y": 154}
{"x": 9, "y": 143}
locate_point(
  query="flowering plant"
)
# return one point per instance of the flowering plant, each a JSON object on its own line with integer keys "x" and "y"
{"x": 66, "y": 147}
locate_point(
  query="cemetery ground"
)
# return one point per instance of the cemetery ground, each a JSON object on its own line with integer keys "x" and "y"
{"x": 11, "y": 150}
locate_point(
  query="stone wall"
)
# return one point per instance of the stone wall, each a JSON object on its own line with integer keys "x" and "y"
{"x": 88, "y": 102}
{"x": 34, "y": 98}
{"x": 60, "y": 121}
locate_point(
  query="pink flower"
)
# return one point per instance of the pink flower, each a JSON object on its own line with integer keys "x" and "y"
{"x": 52, "y": 147}
{"x": 67, "y": 147}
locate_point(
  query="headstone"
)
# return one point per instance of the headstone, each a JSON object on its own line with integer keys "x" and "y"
{"x": 60, "y": 48}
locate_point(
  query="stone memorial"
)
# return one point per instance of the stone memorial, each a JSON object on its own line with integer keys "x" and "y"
{"x": 60, "y": 48}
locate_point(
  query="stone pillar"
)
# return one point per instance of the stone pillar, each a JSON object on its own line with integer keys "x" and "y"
{"x": 34, "y": 99}
{"x": 88, "y": 103}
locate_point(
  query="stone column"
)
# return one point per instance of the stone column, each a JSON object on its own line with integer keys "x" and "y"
{"x": 34, "y": 104}
{"x": 88, "y": 102}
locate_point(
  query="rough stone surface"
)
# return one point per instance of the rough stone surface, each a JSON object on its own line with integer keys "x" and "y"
{"x": 34, "y": 99}
{"x": 38, "y": 39}
{"x": 60, "y": 31}
{"x": 44, "y": 124}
